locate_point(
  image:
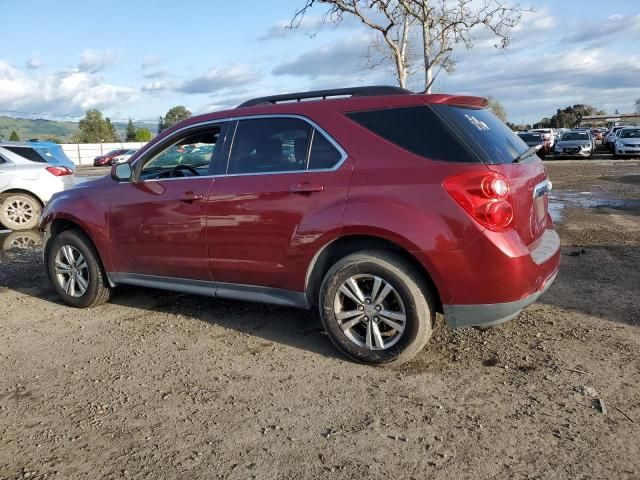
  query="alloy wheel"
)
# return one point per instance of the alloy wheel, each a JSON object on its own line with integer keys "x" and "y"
{"x": 19, "y": 211}
{"x": 72, "y": 271}
{"x": 370, "y": 312}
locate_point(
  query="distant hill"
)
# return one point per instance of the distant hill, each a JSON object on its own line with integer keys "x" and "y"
{"x": 45, "y": 129}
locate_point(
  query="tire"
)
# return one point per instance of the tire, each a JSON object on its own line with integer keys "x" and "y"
{"x": 19, "y": 211}
{"x": 74, "y": 242}
{"x": 410, "y": 298}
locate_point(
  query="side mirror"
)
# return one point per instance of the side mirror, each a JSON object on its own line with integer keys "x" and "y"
{"x": 121, "y": 172}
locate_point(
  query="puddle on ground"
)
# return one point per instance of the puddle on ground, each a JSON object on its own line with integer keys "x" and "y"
{"x": 22, "y": 240}
{"x": 559, "y": 199}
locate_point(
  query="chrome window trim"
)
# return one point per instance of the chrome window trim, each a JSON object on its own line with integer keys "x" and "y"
{"x": 343, "y": 153}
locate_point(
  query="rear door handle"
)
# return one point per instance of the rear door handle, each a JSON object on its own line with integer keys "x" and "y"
{"x": 306, "y": 187}
{"x": 190, "y": 197}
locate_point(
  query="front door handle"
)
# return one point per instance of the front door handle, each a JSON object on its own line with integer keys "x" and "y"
{"x": 191, "y": 197}
{"x": 306, "y": 187}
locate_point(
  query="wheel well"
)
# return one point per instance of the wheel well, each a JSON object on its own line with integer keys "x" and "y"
{"x": 23, "y": 192}
{"x": 344, "y": 246}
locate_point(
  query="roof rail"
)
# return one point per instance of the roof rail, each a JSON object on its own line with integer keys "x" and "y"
{"x": 371, "y": 91}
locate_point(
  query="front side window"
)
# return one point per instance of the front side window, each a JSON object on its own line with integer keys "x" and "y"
{"x": 266, "y": 145}
{"x": 190, "y": 155}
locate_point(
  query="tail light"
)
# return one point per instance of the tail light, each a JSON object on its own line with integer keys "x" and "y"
{"x": 59, "y": 171}
{"x": 486, "y": 196}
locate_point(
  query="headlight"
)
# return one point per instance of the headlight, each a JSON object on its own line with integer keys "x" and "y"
{"x": 586, "y": 145}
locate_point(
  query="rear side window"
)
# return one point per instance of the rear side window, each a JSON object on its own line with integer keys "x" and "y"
{"x": 416, "y": 129}
{"x": 27, "y": 152}
{"x": 269, "y": 145}
{"x": 489, "y": 137}
{"x": 323, "y": 154}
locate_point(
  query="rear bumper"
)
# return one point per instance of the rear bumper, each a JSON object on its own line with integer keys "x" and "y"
{"x": 486, "y": 315}
{"x": 497, "y": 276}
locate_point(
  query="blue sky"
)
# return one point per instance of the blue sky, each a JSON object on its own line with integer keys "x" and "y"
{"x": 138, "y": 59}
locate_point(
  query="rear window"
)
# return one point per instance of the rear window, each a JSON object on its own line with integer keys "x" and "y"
{"x": 489, "y": 137}
{"x": 419, "y": 130}
{"x": 530, "y": 137}
{"x": 26, "y": 152}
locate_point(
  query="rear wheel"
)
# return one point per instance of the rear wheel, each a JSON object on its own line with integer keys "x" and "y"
{"x": 19, "y": 211}
{"x": 376, "y": 308}
{"x": 75, "y": 270}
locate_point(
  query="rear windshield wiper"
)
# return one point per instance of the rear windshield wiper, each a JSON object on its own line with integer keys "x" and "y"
{"x": 526, "y": 154}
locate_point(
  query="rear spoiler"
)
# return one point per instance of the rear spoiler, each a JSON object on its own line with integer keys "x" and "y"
{"x": 460, "y": 100}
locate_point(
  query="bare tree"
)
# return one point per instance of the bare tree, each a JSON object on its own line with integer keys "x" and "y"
{"x": 441, "y": 26}
{"x": 387, "y": 19}
{"x": 638, "y": 105}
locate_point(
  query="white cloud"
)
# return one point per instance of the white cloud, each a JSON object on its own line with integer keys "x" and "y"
{"x": 94, "y": 61}
{"x": 69, "y": 92}
{"x": 219, "y": 79}
{"x": 34, "y": 61}
{"x": 155, "y": 86}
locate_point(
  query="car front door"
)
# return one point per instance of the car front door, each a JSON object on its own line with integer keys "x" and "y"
{"x": 157, "y": 222}
{"x": 283, "y": 193}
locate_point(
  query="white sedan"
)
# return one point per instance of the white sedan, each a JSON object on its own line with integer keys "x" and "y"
{"x": 26, "y": 185}
{"x": 122, "y": 158}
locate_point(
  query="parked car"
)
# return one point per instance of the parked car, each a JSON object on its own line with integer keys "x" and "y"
{"x": 107, "y": 158}
{"x": 533, "y": 139}
{"x": 613, "y": 137}
{"x": 123, "y": 157}
{"x": 392, "y": 206}
{"x": 49, "y": 152}
{"x": 610, "y": 134}
{"x": 549, "y": 134}
{"x": 26, "y": 185}
{"x": 627, "y": 143}
{"x": 574, "y": 144}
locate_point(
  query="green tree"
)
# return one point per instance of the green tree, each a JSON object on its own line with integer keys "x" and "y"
{"x": 175, "y": 115}
{"x": 14, "y": 136}
{"x": 95, "y": 129}
{"x": 142, "y": 135}
{"x": 496, "y": 107}
{"x": 131, "y": 132}
{"x": 160, "y": 125}
{"x": 572, "y": 116}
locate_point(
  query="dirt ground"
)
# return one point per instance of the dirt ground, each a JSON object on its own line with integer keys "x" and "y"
{"x": 161, "y": 385}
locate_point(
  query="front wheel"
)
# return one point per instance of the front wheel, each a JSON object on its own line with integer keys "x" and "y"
{"x": 75, "y": 270}
{"x": 19, "y": 211}
{"x": 376, "y": 308}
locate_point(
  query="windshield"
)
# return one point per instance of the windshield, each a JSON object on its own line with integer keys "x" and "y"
{"x": 530, "y": 137}
{"x": 574, "y": 136}
{"x": 630, "y": 133}
{"x": 490, "y": 138}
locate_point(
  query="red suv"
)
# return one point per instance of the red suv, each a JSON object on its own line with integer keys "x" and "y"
{"x": 380, "y": 206}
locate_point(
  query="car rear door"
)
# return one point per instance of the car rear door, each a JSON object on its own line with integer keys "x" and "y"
{"x": 283, "y": 194}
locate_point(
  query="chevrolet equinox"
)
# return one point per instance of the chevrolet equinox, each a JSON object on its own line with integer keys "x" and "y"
{"x": 378, "y": 205}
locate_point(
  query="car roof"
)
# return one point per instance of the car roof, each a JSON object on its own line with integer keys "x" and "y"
{"x": 310, "y": 106}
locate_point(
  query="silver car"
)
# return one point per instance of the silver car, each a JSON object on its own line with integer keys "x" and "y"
{"x": 627, "y": 142}
{"x": 26, "y": 185}
{"x": 574, "y": 144}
